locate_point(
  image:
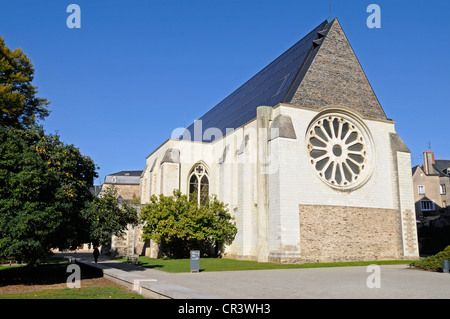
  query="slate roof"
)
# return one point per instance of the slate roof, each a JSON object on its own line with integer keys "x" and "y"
{"x": 124, "y": 178}
{"x": 127, "y": 173}
{"x": 441, "y": 166}
{"x": 415, "y": 168}
{"x": 274, "y": 84}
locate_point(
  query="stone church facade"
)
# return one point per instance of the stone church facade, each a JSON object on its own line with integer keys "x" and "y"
{"x": 305, "y": 157}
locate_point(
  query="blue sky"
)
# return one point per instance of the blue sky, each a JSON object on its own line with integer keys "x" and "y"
{"x": 136, "y": 70}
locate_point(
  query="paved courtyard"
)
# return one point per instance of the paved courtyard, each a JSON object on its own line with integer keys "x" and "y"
{"x": 341, "y": 282}
{"x": 396, "y": 281}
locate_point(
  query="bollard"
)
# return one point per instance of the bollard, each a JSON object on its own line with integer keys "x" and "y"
{"x": 446, "y": 266}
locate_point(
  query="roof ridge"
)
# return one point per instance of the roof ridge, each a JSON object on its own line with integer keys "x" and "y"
{"x": 307, "y": 62}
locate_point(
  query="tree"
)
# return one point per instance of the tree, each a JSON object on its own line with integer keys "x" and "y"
{"x": 107, "y": 217}
{"x": 44, "y": 186}
{"x": 44, "y": 183}
{"x": 179, "y": 224}
{"x": 18, "y": 102}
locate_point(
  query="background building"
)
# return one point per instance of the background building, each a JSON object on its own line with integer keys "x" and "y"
{"x": 128, "y": 190}
{"x": 127, "y": 184}
{"x": 431, "y": 187}
{"x": 432, "y": 199}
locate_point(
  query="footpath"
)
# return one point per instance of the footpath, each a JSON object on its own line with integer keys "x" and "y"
{"x": 393, "y": 282}
{"x": 147, "y": 282}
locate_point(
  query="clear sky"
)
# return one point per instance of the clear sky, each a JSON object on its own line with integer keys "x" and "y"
{"x": 138, "y": 69}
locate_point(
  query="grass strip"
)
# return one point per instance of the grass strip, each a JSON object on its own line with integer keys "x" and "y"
{"x": 105, "y": 292}
{"x": 222, "y": 264}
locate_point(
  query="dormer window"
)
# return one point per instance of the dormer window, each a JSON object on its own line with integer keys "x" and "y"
{"x": 426, "y": 205}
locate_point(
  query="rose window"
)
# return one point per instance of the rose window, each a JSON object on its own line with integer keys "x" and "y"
{"x": 338, "y": 151}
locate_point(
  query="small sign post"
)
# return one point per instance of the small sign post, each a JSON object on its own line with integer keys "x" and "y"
{"x": 195, "y": 260}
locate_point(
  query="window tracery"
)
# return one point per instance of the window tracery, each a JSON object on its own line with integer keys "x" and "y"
{"x": 339, "y": 151}
{"x": 199, "y": 184}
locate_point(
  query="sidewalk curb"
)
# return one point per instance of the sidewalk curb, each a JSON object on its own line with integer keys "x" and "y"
{"x": 145, "y": 286}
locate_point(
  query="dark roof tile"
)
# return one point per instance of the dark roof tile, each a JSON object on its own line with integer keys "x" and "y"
{"x": 269, "y": 87}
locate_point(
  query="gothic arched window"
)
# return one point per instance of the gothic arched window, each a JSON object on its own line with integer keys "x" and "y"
{"x": 199, "y": 184}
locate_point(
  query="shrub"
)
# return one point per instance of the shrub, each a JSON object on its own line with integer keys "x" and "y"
{"x": 179, "y": 224}
{"x": 433, "y": 263}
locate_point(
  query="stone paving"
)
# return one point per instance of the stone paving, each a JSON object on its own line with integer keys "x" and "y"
{"x": 396, "y": 282}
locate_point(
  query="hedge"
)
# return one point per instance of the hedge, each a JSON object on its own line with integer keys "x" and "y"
{"x": 433, "y": 263}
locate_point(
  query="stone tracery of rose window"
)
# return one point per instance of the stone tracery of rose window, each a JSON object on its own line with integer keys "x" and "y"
{"x": 338, "y": 151}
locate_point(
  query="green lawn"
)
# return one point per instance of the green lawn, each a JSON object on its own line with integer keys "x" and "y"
{"x": 113, "y": 292}
{"x": 9, "y": 267}
{"x": 47, "y": 274}
{"x": 219, "y": 264}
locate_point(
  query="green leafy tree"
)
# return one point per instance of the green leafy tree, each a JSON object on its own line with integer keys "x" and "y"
{"x": 108, "y": 217}
{"x": 44, "y": 183}
{"x": 180, "y": 225}
{"x": 18, "y": 102}
{"x": 44, "y": 186}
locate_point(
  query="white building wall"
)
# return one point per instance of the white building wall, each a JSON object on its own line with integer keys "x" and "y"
{"x": 233, "y": 179}
{"x": 286, "y": 209}
{"x": 406, "y": 192}
{"x": 313, "y": 191}
{"x": 170, "y": 179}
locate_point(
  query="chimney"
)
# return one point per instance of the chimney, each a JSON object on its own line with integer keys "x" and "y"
{"x": 428, "y": 162}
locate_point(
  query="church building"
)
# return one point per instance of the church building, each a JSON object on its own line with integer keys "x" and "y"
{"x": 303, "y": 154}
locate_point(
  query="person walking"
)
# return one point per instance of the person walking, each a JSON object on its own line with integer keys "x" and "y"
{"x": 96, "y": 253}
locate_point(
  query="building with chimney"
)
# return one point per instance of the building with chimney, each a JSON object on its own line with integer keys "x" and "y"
{"x": 432, "y": 188}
